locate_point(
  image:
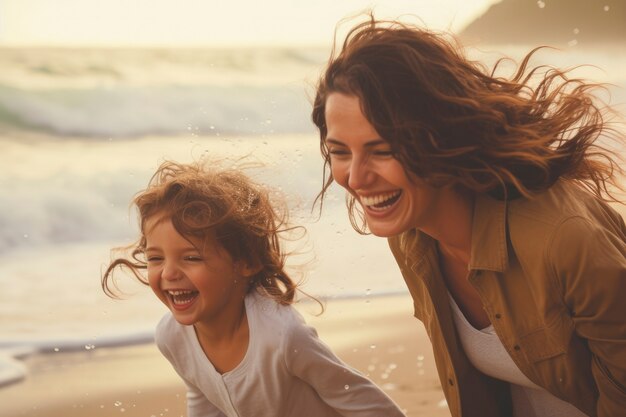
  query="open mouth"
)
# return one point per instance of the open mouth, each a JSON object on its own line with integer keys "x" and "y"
{"x": 381, "y": 202}
{"x": 181, "y": 298}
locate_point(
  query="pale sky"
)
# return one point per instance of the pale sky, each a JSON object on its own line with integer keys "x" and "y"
{"x": 207, "y": 22}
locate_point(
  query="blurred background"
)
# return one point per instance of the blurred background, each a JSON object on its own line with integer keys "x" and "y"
{"x": 94, "y": 95}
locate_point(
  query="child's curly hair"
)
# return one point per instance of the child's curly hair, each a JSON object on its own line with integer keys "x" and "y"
{"x": 207, "y": 203}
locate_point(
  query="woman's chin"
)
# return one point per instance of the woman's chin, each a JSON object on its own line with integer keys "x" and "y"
{"x": 384, "y": 231}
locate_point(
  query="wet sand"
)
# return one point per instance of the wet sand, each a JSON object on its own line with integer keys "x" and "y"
{"x": 378, "y": 336}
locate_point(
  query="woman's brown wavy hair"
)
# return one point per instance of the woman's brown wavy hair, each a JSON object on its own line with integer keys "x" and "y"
{"x": 450, "y": 121}
{"x": 209, "y": 203}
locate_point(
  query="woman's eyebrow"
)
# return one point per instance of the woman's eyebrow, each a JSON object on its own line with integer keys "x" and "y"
{"x": 370, "y": 144}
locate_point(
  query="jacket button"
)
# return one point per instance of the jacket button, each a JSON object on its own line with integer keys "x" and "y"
{"x": 450, "y": 381}
{"x": 516, "y": 347}
{"x": 498, "y": 315}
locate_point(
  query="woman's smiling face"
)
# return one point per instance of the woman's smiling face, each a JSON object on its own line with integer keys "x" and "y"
{"x": 363, "y": 163}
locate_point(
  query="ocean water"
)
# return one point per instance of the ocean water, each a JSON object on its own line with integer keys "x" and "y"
{"x": 81, "y": 131}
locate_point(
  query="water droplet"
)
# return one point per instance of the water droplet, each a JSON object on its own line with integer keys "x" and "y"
{"x": 372, "y": 346}
{"x": 90, "y": 347}
{"x": 573, "y": 42}
{"x": 212, "y": 127}
{"x": 117, "y": 403}
{"x": 56, "y": 349}
{"x": 25, "y": 235}
{"x": 346, "y": 386}
{"x": 268, "y": 121}
{"x": 541, "y": 4}
{"x": 368, "y": 291}
{"x": 576, "y": 31}
{"x": 442, "y": 404}
{"x": 420, "y": 357}
{"x": 606, "y": 8}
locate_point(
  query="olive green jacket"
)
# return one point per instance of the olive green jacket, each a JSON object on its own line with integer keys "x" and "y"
{"x": 551, "y": 274}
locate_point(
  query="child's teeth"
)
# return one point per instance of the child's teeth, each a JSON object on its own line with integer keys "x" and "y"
{"x": 182, "y": 296}
{"x": 180, "y": 292}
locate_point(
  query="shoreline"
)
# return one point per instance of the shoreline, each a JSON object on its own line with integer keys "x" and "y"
{"x": 14, "y": 351}
{"x": 378, "y": 336}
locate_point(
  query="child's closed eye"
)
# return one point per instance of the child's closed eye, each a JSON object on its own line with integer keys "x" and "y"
{"x": 193, "y": 258}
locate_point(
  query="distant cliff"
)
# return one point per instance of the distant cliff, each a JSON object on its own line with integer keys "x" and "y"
{"x": 550, "y": 22}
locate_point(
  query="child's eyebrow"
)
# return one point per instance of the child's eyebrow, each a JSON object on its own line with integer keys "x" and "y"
{"x": 185, "y": 249}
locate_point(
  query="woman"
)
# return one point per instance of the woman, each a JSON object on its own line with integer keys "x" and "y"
{"x": 493, "y": 196}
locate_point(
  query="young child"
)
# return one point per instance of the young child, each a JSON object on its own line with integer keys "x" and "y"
{"x": 209, "y": 242}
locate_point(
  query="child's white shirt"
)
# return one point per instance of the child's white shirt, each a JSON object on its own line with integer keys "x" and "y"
{"x": 287, "y": 371}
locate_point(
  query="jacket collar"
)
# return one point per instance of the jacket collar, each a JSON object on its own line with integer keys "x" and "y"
{"x": 489, "y": 241}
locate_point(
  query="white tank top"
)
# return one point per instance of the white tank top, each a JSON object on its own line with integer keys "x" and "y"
{"x": 487, "y": 353}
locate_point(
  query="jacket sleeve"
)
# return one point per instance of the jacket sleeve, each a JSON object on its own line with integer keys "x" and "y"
{"x": 341, "y": 387}
{"x": 589, "y": 263}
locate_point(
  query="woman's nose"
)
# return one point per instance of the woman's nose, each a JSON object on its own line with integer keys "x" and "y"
{"x": 359, "y": 174}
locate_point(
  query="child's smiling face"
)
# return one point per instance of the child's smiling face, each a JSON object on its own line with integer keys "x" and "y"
{"x": 197, "y": 280}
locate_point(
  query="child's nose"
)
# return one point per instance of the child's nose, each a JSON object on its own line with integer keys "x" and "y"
{"x": 171, "y": 272}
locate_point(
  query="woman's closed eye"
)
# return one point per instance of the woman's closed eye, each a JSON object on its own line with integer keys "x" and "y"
{"x": 383, "y": 152}
{"x": 337, "y": 152}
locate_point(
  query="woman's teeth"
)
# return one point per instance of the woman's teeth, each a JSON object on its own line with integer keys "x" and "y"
{"x": 381, "y": 201}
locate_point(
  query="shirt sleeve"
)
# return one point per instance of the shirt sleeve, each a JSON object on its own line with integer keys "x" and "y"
{"x": 341, "y": 387}
{"x": 589, "y": 263}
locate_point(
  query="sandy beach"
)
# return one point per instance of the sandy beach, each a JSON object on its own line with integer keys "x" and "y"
{"x": 377, "y": 335}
